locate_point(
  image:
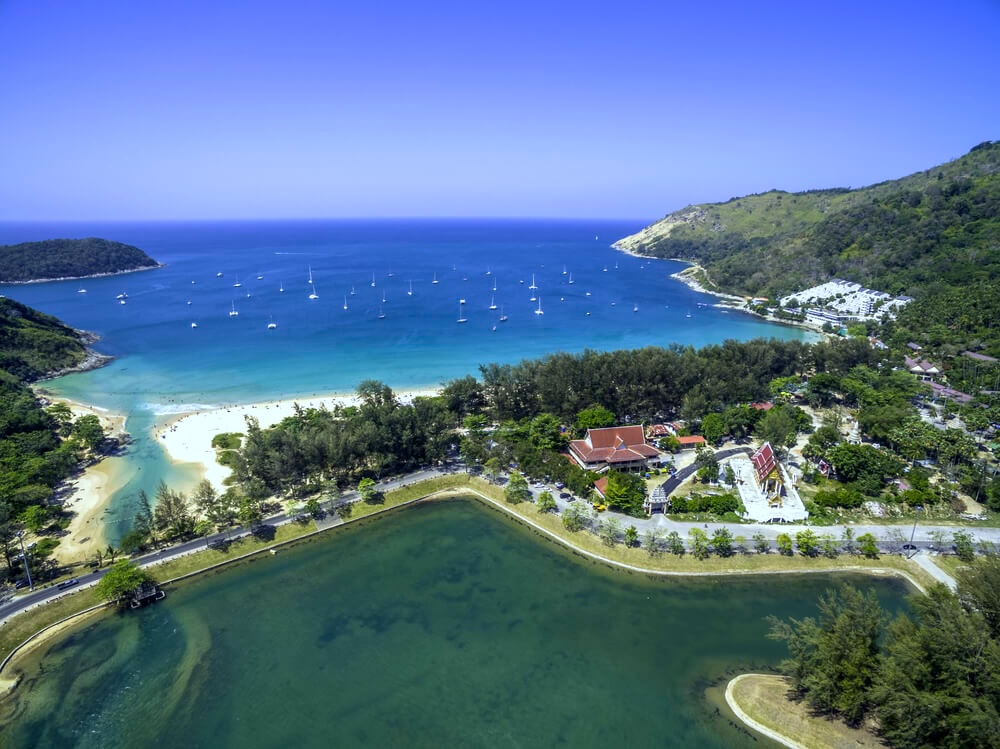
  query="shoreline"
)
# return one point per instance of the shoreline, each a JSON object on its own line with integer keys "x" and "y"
{"x": 462, "y": 486}
{"x": 88, "y": 493}
{"x": 726, "y": 301}
{"x": 81, "y": 278}
{"x": 186, "y": 436}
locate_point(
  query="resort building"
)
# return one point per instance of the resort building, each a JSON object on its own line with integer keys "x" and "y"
{"x": 692, "y": 442}
{"x": 839, "y": 301}
{"x": 922, "y": 368}
{"x": 621, "y": 448}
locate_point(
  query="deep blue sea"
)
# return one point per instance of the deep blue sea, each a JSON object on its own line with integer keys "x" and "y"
{"x": 378, "y": 314}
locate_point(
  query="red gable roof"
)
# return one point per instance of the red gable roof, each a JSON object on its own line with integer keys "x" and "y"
{"x": 601, "y": 485}
{"x": 613, "y": 445}
{"x": 694, "y": 439}
{"x": 763, "y": 461}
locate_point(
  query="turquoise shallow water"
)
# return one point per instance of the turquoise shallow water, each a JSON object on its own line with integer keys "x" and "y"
{"x": 439, "y": 625}
{"x": 614, "y": 301}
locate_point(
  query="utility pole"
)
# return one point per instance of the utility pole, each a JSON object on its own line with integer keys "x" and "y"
{"x": 916, "y": 514}
{"x": 24, "y": 556}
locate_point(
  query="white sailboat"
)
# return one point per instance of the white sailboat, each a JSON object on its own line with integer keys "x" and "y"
{"x": 310, "y": 275}
{"x": 503, "y": 317}
{"x": 461, "y": 311}
{"x": 272, "y": 325}
{"x": 219, "y": 274}
{"x": 313, "y": 295}
{"x": 570, "y": 279}
{"x": 237, "y": 284}
{"x": 539, "y": 310}
{"x": 564, "y": 270}
{"x": 494, "y": 285}
{"x": 194, "y": 325}
{"x": 345, "y": 301}
{"x": 281, "y": 287}
{"x": 533, "y": 298}
{"x": 435, "y": 277}
{"x": 233, "y": 312}
{"x": 635, "y": 307}
{"x": 381, "y": 314}
{"x": 384, "y": 300}
{"x": 353, "y": 292}
{"x": 373, "y": 280}
{"x": 410, "y": 292}
{"x": 493, "y": 302}
{"x": 532, "y": 282}
{"x": 81, "y": 290}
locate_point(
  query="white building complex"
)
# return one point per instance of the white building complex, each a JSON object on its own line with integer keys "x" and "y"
{"x": 838, "y": 301}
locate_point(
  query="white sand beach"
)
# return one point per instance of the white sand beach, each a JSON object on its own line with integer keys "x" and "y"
{"x": 187, "y": 437}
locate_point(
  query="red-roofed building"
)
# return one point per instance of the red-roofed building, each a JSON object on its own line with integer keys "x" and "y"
{"x": 765, "y": 469}
{"x": 622, "y": 448}
{"x": 601, "y": 486}
{"x": 691, "y": 442}
{"x": 656, "y": 431}
{"x": 762, "y": 406}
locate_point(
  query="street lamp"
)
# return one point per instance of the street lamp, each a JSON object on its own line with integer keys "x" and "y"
{"x": 24, "y": 556}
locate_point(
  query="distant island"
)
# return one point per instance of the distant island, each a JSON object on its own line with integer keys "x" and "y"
{"x": 54, "y": 259}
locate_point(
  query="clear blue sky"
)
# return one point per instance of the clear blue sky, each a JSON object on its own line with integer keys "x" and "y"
{"x": 142, "y": 110}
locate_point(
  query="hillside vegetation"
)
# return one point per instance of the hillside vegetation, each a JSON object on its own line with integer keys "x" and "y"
{"x": 39, "y": 447}
{"x": 33, "y": 344}
{"x": 920, "y": 235}
{"x": 69, "y": 258}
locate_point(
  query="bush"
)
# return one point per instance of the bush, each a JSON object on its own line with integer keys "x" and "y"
{"x": 227, "y": 441}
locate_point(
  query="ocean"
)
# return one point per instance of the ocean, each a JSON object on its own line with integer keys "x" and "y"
{"x": 389, "y": 295}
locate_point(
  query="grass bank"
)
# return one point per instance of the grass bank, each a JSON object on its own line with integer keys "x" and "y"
{"x": 761, "y": 702}
{"x": 24, "y": 626}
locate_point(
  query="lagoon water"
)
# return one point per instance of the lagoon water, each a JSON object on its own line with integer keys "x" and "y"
{"x": 164, "y": 365}
{"x": 439, "y": 625}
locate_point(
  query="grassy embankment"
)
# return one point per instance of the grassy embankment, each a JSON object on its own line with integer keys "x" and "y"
{"x": 763, "y": 698}
{"x": 21, "y": 627}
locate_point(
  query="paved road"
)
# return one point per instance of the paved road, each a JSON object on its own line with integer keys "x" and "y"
{"x": 888, "y": 536}
{"x": 40, "y": 596}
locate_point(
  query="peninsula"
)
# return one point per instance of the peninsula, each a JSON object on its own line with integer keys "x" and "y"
{"x": 56, "y": 259}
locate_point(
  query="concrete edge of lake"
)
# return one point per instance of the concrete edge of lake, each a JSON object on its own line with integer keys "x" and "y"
{"x": 461, "y": 485}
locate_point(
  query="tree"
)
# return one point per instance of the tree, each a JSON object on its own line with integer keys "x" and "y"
{"x": 313, "y": 507}
{"x": 713, "y": 428}
{"x": 760, "y": 543}
{"x": 625, "y": 492}
{"x": 807, "y": 543}
{"x": 631, "y": 536}
{"x": 893, "y": 540}
{"x": 594, "y": 417}
{"x": 868, "y": 546}
{"x": 577, "y": 516}
{"x": 121, "y": 579}
{"x": 517, "y": 490}
{"x": 964, "y": 546}
{"x": 784, "y": 543}
{"x": 979, "y": 590}
{"x": 847, "y": 539}
{"x": 653, "y": 541}
{"x": 937, "y": 683}
{"x": 675, "y": 545}
{"x": 88, "y": 430}
{"x": 699, "y": 544}
{"x": 249, "y": 512}
{"x": 833, "y": 661}
{"x": 609, "y": 529}
{"x": 172, "y": 514}
{"x": 35, "y": 517}
{"x": 722, "y": 542}
{"x": 546, "y": 502}
{"x": 368, "y": 490}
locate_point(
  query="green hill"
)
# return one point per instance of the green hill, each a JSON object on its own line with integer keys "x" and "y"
{"x": 33, "y": 344}
{"x": 921, "y": 235}
{"x": 69, "y": 258}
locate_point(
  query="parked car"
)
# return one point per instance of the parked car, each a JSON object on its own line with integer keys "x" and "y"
{"x": 67, "y": 583}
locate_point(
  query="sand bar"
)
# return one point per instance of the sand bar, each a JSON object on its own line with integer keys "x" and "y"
{"x": 187, "y": 437}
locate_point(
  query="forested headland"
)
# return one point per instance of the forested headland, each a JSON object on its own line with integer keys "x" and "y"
{"x": 933, "y": 235}
{"x": 69, "y": 258}
{"x": 39, "y": 446}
